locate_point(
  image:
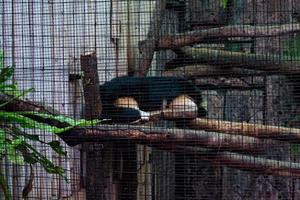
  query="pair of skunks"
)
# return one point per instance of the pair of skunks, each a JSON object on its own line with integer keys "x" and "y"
{"x": 138, "y": 99}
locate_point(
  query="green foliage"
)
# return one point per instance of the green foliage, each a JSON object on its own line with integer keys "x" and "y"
{"x": 16, "y": 137}
{"x": 292, "y": 48}
{"x": 295, "y": 150}
{"x": 223, "y": 3}
{"x": 4, "y": 186}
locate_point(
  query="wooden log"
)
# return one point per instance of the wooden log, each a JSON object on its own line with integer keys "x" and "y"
{"x": 198, "y": 36}
{"x": 227, "y": 84}
{"x": 270, "y": 63}
{"x": 173, "y": 140}
{"x": 203, "y": 70}
{"x": 247, "y": 129}
{"x": 243, "y": 162}
{"x": 95, "y": 162}
{"x": 191, "y": 69}
{"x": 91, "y": 88}
{"x": 206, "y": 77}
{"x": 148, "y": 46}
{"x": 152, "y": 135}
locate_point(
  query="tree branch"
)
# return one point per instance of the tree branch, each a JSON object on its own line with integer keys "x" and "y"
{"x": 24, "y": 105}
{"x": 198, "y": 36}
{"x": 147, "y": 47}
{"x": 173, "y": 140}
{"x": 270, "y": 63}
{"x": 247, "y": 129}
{"x": 203, "y": 70}
{"x": 156, "y": 135}
{"x": 243, "y": 162}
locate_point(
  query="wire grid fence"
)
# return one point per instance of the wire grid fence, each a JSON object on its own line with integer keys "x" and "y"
{"x": 242, "y": 56}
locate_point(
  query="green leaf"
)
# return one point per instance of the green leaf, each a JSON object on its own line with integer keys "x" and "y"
{"x": 292, "y": 48}
{"x": 6, "y": 73}
{"x": 59, "y": 118}
{"x": 26, "y": 122}
{"x": 56, "y": 146}
{"x": 2, "y": 141}
{"x": 1, "y": 59}
{"x": 223, "y": 3}
{"x": 29, "y": 184}
{"x": 32, "y": 137}
{"x": 46, "y": 163}
{"x": 17, "y": 142}
{"x": 62, "y": 119}
{"x": 29, "y": 158}
{"x": 11, "y": 89}
{"x": 16, "y": 97}
{"x": 13, "y": 155}
{"x": 295, "y": 149}
{"x": 4, "y": 187}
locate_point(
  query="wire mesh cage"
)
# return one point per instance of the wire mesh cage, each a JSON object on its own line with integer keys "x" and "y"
{"x": 150, "y": 99}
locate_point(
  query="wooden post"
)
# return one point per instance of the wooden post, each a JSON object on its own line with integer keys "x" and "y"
{"x": 93, "y": 106}
{"x": 94, "y": 154}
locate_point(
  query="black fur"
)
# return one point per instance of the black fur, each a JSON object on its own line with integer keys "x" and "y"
{"x": 149, "y": 92}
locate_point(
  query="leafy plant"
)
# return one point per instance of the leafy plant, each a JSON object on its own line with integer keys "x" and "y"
{"x": 16, "y": 134}
{"x": 292, "y": 48}
{"x": 224, "y": 3}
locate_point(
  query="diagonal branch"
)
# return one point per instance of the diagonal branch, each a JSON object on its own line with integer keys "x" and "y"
{"x": 147, "y": 47}
{"x": 24, "y": 105}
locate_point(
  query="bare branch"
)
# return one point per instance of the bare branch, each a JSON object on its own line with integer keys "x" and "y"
{"x": 270, "y": 63}
{"x": 247, "y": 129}
{"x": 244, "y": 162}
{"x": 198, "y": 36}
{"x": 152, "y": 135}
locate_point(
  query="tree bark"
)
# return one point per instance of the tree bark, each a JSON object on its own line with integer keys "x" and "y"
{"x": 24, "y": 105}
{"x": 95, "y": 154}
{"x": 265, "y": 62}
{"x": 91, "y": 88}
{"x": 247, "y": 129}
{"x": 198, "y": 36}
{"x": 203, "y": 70}
{"x": 244, "y": 162}
{"x": 147, "y": 47}
{"x": 152, "y": 135}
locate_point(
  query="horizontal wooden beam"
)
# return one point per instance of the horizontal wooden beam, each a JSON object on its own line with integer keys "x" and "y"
{"x": 156, "y": 135}
{"x": 265, "y": 62}
{"x": 247, "y": 129}
{"x": 243, "y": 162}
{"x": 200, "y": 70}
{"x": 201, "y": 35}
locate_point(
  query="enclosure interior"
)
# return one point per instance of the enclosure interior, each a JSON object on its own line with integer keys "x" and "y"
{"x": 243, "y": 56}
